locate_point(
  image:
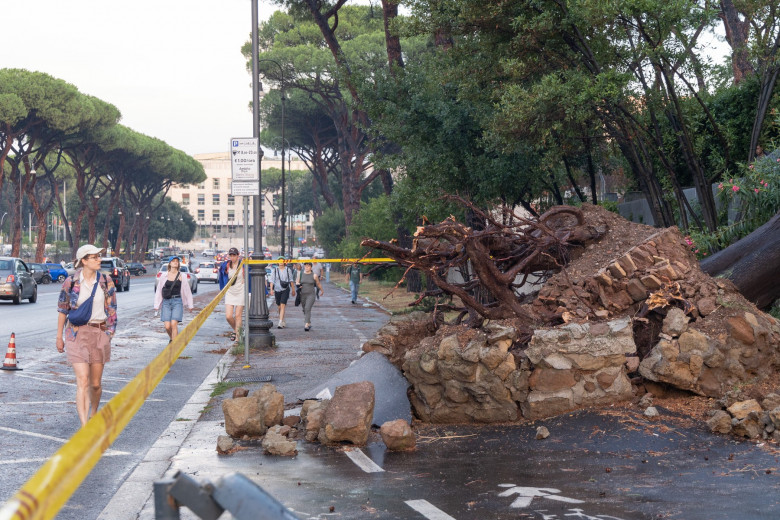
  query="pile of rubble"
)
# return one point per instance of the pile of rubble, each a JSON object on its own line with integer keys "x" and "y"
{"x": 634, "y": 309}
{"x": 345, "y": 418}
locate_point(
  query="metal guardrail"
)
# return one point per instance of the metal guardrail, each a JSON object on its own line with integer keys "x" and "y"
{"x": 234, "y": 492}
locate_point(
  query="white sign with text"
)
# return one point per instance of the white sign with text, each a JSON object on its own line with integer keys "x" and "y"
{"x": 244, "y": 159}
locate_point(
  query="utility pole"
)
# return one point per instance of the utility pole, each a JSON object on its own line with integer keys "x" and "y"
{"x": 259, "y": 325}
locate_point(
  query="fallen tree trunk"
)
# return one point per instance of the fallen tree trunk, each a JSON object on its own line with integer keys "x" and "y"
{"x": 752, "y": 264}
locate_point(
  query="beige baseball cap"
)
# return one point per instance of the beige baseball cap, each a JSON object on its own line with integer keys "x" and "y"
{"x": 87, "y": 249}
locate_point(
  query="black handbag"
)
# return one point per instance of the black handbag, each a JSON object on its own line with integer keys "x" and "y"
{"x": 298, "y": 297}
{"x": 81, "y": 314}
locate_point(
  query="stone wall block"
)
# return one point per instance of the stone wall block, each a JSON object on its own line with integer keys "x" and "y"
{"x": 596, "y": 362}
{"x": 741, "y": 330}
{"x": 549, "y": 380}
{"x": 506, "y": 367}
{"x": 455, "y": 392}
{"x": 606, "y": 377}
{"x": 488, "y": 383}
{"x": 459, "y": 370}
{"x": 431, "y": 395}
{"x": 628, "y": 265}
{"x": 545, "y": 404}
{"x": 449, "y": 348}
{"x": 693, "y": 341}
{"x": 642, "y": 259}
{"x": 675, "y": 322}
{"x": 491, "y": 356}
{"x": 497, "y": 332}
{"x": 741, "y": 409}
{"x": 517, "y": 383}
{"x": 651, "y": 282}
{"x": 414, "y": 369}
{"x": 603, "y": 278}
{"x": 471, "y": 352}
{"x": 557, "y": 361}
{"x": 429, "y": 362}
{"x": 636, "y": 290}
{"x": 616, "y": 271}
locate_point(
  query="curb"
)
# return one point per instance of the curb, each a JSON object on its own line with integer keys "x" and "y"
{"x": 136, "y": 491}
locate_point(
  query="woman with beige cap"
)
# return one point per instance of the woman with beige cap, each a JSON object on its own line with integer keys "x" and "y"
{"x": 88, "y": 346}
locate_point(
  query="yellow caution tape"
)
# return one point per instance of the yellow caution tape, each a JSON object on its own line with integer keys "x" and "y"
{"x": 54, "y": 483}
{"x": 322, "y": 260}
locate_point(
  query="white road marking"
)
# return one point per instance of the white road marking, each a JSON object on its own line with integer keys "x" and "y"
{"x": 56, "y": 439}
{"x": 362, "y": 461}
{"x": 23, "y": 403}
{"x": 109, "y": 453}
{"x": 428, "y": 510}
{"x": 58, "y": 382}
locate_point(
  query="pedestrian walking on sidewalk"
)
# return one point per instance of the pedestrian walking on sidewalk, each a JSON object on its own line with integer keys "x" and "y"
{"x": 88, "y": 345}
{"x": 282, "y": 286}
{"x": 234, "y": 297}
{"x": 172, "y": 295}
{"x": 309, "y": 283}
{"x": 354, "y": 277}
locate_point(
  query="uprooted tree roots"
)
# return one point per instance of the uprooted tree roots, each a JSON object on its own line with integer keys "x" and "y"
{"x": 495, "y": 262}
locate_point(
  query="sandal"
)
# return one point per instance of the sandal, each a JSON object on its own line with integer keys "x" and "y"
{"x": 232, "y": 336}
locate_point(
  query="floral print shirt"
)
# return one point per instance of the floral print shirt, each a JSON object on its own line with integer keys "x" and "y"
{"x": 69, "y": 296}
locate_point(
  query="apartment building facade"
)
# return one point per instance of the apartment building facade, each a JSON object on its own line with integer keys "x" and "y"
{"x": 220, "y": 216}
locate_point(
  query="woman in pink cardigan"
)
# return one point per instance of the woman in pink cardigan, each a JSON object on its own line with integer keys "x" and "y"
{"x": 173, "y": 293}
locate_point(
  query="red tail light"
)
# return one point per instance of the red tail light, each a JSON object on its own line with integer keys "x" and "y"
{"x": 10, "y": 278}
{"x": 197, "y": 270}
{"x": 116, "y": 272}
{"x": 215, "y": 270}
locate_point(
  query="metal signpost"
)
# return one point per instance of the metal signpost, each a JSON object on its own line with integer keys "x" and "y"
{"x": 245, "y": 173}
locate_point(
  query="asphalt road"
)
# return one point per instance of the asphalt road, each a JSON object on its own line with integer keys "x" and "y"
{"x": 603, "y": 464}
{"x": 37, "y": 407}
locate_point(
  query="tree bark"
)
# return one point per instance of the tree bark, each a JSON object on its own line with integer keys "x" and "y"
{"x": 752, "y": 264}
{"x": 737, "y": 37}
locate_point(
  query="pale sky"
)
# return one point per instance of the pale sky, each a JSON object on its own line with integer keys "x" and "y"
{"x": 173, "y": 68}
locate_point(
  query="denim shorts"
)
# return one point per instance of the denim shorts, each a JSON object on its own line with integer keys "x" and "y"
{"x": 172, "y": 310}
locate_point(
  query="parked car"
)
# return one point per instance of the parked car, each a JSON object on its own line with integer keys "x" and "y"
{"x": 116, "y": 268}
{"x": 207, "y": 271}
{"x": 136, "y": 268}
{"x": 69, "y": 268}
{"x": 40, "y": 272}
{"x": 57, "y": 272}
{"x": 319, "y": 253}
{"x": 185, "y": 273}
{"x": 16, "y": 281}
{"x": 208, "y": 252}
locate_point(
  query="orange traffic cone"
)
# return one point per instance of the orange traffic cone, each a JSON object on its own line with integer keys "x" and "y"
{"x": 10, "y": 356}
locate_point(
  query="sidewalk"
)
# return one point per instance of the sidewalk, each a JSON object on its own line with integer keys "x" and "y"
{"x": 300, "y": 361}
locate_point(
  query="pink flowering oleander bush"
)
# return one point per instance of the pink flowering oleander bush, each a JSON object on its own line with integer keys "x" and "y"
{"x": 756, "y": 195}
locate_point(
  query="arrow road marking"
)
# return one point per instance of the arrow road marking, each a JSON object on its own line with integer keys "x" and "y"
{"x": 527, "y": 494}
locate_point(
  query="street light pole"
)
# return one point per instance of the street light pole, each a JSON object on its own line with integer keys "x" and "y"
{"x": 281, "y": 81}
{"x": 259, "y": 325}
